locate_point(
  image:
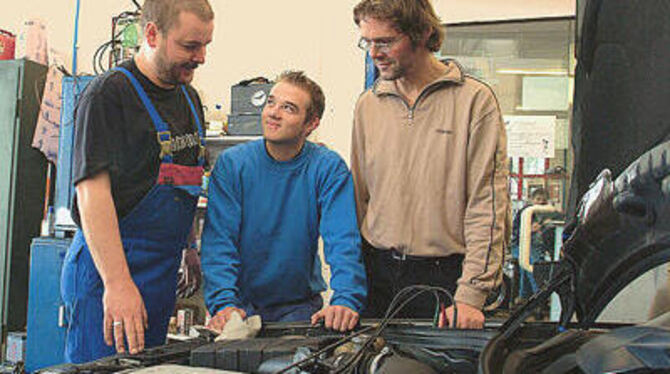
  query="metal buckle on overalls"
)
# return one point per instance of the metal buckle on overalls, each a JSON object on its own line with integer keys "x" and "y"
{"x": 166, "y": 145}
{"x": 398, "y": 255}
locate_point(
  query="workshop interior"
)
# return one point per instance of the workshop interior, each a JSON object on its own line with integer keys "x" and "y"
{"x": 583, "y": 87}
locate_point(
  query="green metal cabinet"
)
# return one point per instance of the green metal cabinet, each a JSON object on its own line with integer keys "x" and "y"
{"x": 22, "y": 184}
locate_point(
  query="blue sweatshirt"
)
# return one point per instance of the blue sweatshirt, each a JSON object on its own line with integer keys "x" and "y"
{"x": 264, "y": 217}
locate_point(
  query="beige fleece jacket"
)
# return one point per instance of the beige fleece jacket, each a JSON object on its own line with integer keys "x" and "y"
{"x": 432, "y": 179}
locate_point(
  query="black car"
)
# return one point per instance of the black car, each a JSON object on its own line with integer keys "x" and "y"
{"x": 622, "y": 230}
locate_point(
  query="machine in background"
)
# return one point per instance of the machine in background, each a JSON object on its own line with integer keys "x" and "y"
{"x": 72, "y": 88}
{"x": 46, "y": 322}
{"x": 247, "y": 99}
{"x": 22, "y": 180}
{"x": 123, "y": 44}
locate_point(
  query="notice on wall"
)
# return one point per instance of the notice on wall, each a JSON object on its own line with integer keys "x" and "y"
{"x": 32, "y": 41}
{"x": 530, "y": 136}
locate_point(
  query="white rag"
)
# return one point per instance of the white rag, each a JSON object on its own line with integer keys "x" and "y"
{"x": 237, "y": 328}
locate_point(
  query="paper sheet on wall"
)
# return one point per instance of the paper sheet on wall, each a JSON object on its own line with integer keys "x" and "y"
{"x": 530, "y": 136}
{"x": 48, "y": 122}
{"x": 32, "y": 42}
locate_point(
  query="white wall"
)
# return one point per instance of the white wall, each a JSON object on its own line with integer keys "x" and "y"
{"x": 58, "y": 16}
{"x": 249, "y": 42}
{"x": 264, "y": 37}
{"x": 453, "y": 11}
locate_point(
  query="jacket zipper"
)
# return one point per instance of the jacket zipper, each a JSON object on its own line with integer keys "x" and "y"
{"x": 411, "y": 109}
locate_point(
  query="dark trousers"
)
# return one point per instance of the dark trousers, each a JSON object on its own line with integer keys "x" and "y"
{"x": 388, "y": 273}
{"x": 300, "y": 310}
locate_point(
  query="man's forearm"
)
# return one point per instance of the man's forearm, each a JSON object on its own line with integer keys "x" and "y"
{"x": 220, "y": 257}
{"x": 486, "y": 212}
{"x": 101, "y": 229}
{"x": 341, "y": 239}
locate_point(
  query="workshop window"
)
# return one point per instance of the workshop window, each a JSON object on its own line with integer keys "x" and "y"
{"x": 530, "y": 66}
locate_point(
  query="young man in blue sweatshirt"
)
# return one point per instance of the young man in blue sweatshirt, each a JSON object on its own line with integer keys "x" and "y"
{"x": 269, "y": 201}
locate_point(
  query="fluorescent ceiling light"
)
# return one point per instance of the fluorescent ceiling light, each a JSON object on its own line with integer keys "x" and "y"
{"x": 560, "y": 73}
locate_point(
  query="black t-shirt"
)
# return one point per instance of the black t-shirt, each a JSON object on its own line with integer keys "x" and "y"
{"x": 114, "y": 132}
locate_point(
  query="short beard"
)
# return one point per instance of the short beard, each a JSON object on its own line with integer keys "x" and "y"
{"x": 167, "y": 72}
{"x": 164, "y": 70}
{"x": 395, "y": 74}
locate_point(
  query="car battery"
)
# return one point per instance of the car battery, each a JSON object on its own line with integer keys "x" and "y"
{"x": 244, "y": 124}
{"x": 249, "y": 99}
{"x": 7, "y": 45}
{"x": 247, "y": 355}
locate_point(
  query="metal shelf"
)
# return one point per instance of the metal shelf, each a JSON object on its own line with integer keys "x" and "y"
{"x": 231, "y": 139}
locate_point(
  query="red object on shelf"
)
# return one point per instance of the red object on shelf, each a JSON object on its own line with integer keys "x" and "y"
{"x": 520, "y": 176}
{"x": 7, "y": 45}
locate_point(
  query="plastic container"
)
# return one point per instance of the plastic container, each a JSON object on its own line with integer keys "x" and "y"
{"x": 216, "y": 121}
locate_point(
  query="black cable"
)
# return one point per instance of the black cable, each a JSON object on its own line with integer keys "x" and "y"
{"x": 126, "y": 14}
{"x": 137, "y": 5}
{"x": 391, "y": 312}
{"x": 434, "y": 290}
{"x": 98, "y": 51}
{"x": 101, "y": 62}
{"x": 402, "y": 293}
{"x": 98, "y": 65}
{"x": 326, "y": 349}
{"x": 95, "y": 58}
{"x": 347, "y": 338}
{"x": 355, "y": 359}
{"x": 98, "y": 56}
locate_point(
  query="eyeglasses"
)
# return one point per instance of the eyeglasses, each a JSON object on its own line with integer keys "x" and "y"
{"x": 382, "y": 44}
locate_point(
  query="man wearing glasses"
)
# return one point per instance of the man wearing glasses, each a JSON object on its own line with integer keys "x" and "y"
{"x": 429, "y": 163}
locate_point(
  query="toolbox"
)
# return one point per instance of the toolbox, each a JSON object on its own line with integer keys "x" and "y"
{"x": 249, "y": 98}
{"x": 7, "y": 45}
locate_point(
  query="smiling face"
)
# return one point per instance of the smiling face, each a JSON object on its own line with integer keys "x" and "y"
{"x": 284, "y": 116}
{"x": 181, "y": 49}
{"x": 394, "y": 62}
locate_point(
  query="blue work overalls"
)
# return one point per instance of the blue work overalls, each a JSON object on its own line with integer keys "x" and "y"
{"x": 153, "y": 234}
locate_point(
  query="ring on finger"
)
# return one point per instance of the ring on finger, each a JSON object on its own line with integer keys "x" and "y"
{"x": 117, "y": 323}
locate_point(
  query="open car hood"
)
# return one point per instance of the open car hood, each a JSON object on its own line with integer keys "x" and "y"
{"x": 622, "y": 230}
